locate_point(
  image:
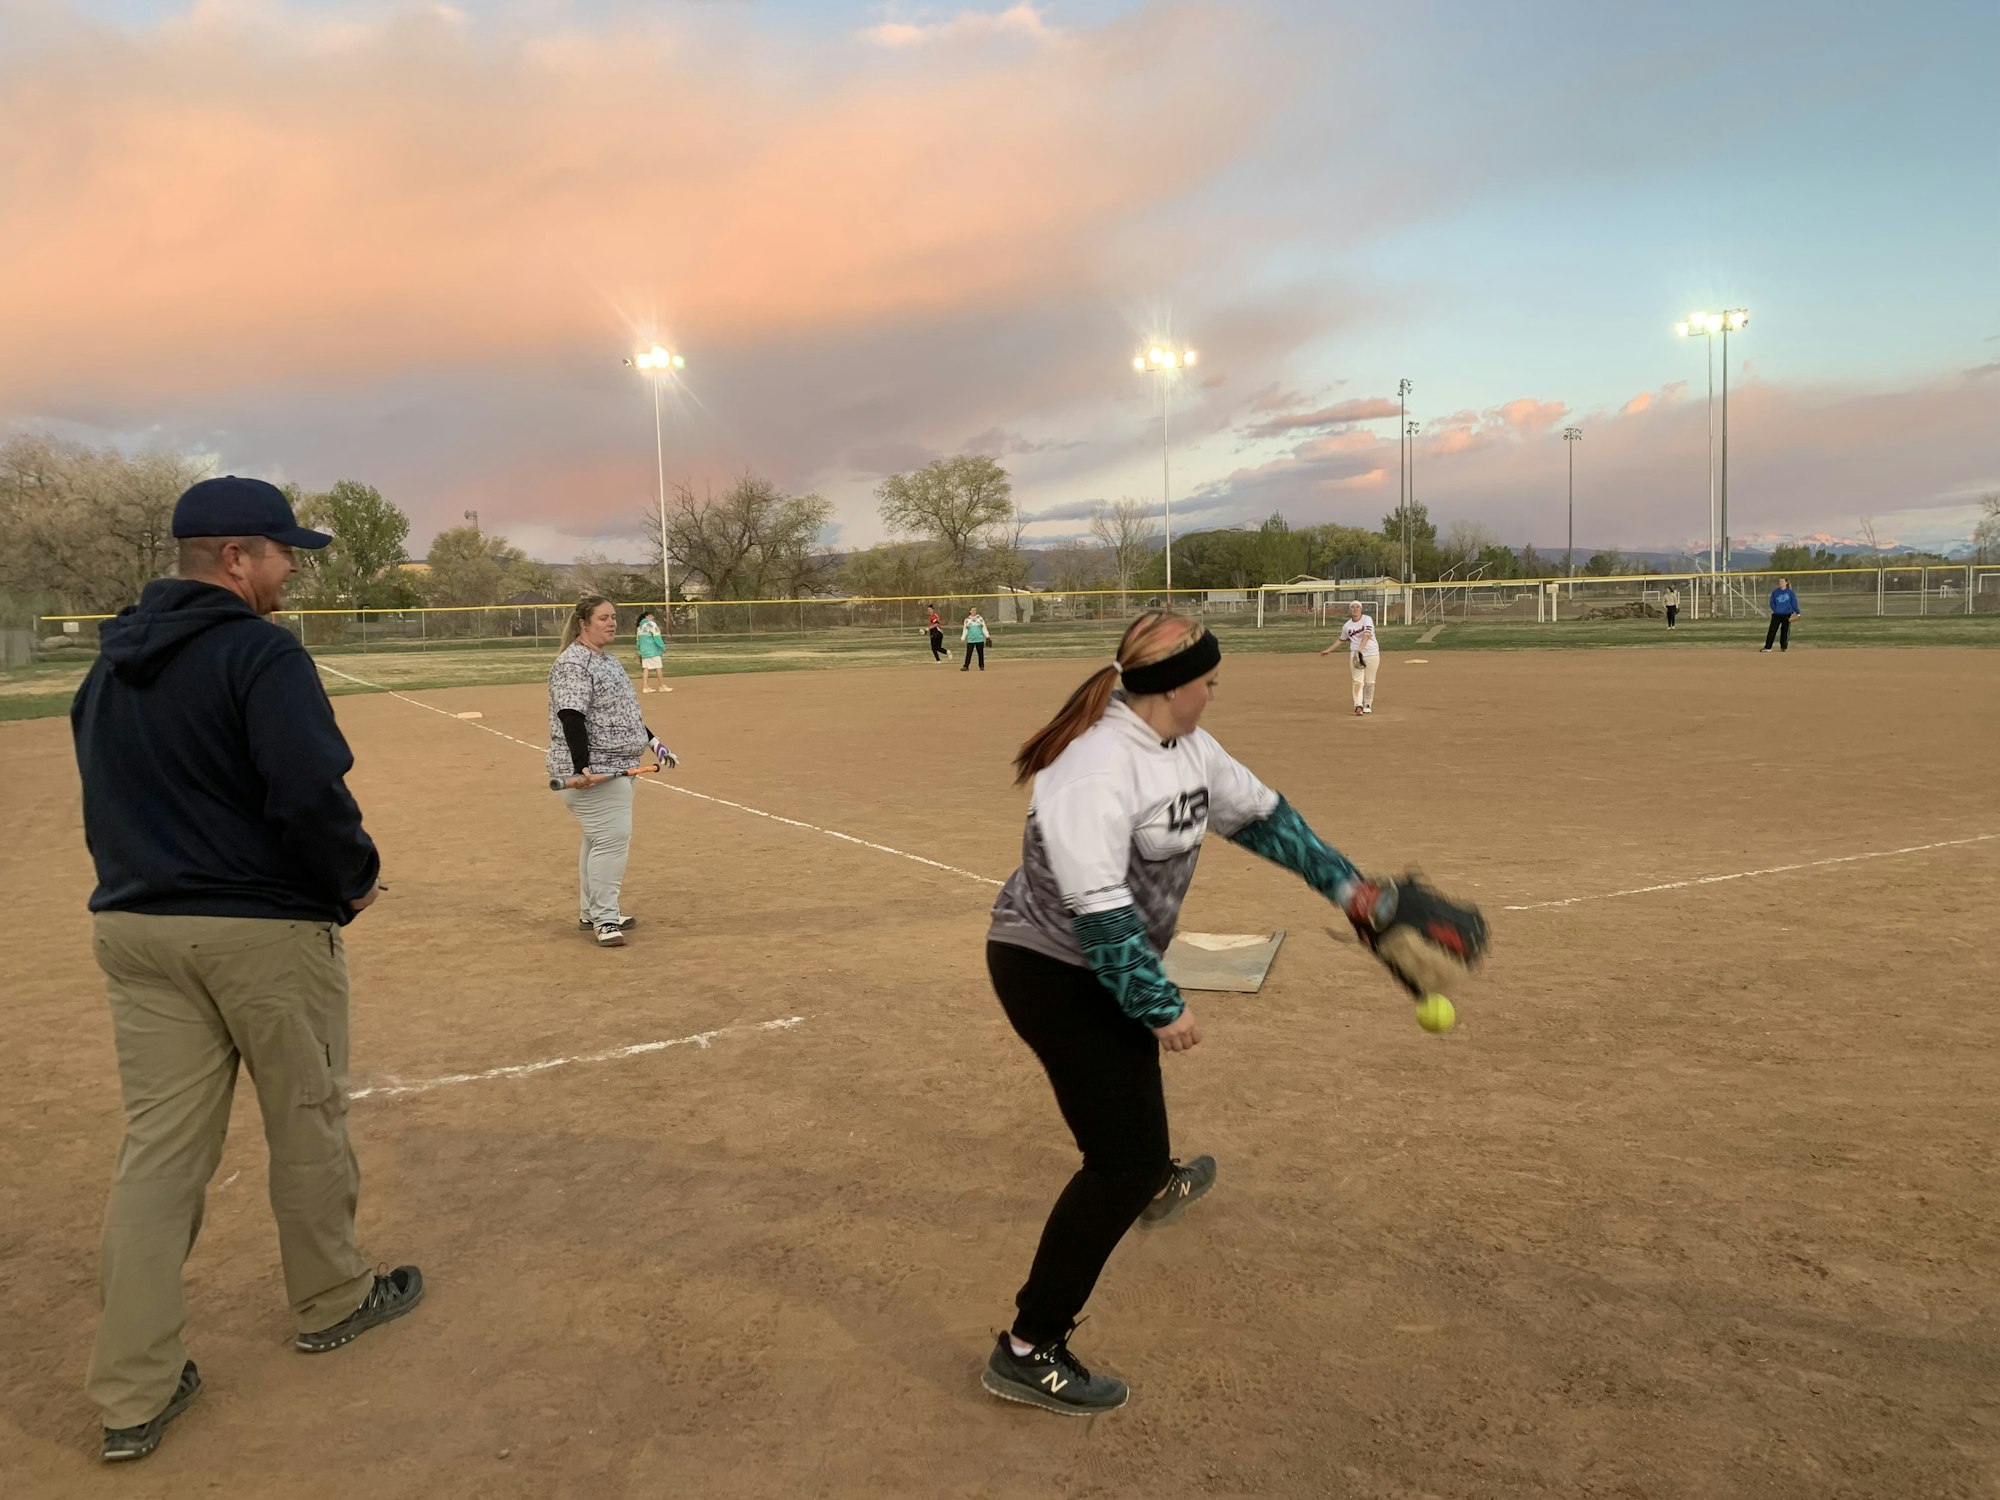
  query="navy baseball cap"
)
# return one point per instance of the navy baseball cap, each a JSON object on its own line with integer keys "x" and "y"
{"x": 242, "y": 507}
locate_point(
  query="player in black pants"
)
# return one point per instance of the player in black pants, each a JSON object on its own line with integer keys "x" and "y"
{"x": 1126, "y": 785}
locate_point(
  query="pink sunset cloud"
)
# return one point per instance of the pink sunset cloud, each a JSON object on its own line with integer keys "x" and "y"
{"x": 1914, "y": 460}
{"x": 1340, "y": 413}
{"x": 237, "y": 200}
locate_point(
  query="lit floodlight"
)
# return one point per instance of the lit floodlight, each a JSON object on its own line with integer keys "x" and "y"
{"x": 1188, "y": 358}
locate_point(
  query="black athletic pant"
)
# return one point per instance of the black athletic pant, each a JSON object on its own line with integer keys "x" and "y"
{"x": 1673, "y": 612}
{"x": 1780, "y": 631}
{"x": 970, "y": 647}
{"x": 937, "y": 645}
{"x": 1105, "y": 1068}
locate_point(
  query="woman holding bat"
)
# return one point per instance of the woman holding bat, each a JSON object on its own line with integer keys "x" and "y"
{"x": 1126, "y": 784}
{"x": 596, "y": 738}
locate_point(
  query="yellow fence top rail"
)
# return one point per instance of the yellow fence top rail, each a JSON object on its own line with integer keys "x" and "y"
{"x": 1309, "y": 586}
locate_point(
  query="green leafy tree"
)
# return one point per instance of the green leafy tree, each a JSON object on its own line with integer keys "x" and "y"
{"x": 956, "y": 502}
{"x": 1423, "y": 537}
{"x": 1791, "y": 556}
{"x": 469, "y": 566}
{"x": 362, "y": 567}
{"x": 894, "y": 570}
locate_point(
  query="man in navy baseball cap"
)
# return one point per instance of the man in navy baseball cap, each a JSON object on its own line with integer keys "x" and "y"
{"x": 242, "y": 507}
{"x": 230, "y": 855}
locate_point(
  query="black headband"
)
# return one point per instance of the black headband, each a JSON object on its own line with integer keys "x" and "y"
{"x": 1197, "y": 660}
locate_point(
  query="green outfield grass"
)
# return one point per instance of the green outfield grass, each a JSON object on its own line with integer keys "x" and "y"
{"x": 44, "y": 690}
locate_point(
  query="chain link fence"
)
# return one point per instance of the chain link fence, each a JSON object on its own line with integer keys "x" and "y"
{"x": 839, "y": 624}
{"x": 1885, "y": 591}
{"x": 720, "y": 623}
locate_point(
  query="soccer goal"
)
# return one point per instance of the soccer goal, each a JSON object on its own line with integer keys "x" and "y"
{"x": 1320, "y": 600}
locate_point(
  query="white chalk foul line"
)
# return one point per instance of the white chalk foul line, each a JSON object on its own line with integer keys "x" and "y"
{"x": 668, "y": 786}
{"x": 1810, "y": 864}
{"x": 397, "y": 1088}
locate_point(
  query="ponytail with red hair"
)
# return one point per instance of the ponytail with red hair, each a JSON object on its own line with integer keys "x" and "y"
{"x": 1154, "y": 636}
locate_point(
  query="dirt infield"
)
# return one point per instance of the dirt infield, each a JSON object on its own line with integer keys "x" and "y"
{"x": 1701, "y": 1199}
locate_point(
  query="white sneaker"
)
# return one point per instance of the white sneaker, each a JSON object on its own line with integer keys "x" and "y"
{"x": 610, "y": 936}
{"x": 1368, "y": 708}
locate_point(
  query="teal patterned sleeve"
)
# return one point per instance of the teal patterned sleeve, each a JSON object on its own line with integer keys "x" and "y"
{"x": 1125, "y": 962}
{"x": 1284, "y": 839}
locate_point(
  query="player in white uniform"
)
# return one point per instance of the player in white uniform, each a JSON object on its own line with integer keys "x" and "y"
{"x": 1364, "y": 656}
{"x": 1126, "y": 786}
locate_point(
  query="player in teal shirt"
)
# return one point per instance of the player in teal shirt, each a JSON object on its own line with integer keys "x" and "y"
{"x": 652, "y": 652}
{"x": 975, "y": 637}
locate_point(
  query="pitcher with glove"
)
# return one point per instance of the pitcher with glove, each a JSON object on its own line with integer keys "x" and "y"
{"x": 1126, "y": 786}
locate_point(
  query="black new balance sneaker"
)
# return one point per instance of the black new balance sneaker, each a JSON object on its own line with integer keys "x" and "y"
{"x": 121, "y": 1443}
{"x": 393, "y": 1294}
{"x": 1184, "y": 1185}
{"x": 1052, "y": 1378}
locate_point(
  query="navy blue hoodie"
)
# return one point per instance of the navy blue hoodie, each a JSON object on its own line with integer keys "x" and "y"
{"x": 212, "y": 767}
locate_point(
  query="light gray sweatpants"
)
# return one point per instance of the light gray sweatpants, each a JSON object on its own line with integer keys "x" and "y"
{"x": 605, "y": 813}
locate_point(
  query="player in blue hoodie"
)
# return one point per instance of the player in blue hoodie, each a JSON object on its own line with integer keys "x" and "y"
{"x": 1784, "y": 610}
{"x": 229, "y": 856}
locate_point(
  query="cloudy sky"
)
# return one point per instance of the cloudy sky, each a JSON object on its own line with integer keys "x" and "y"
{"x": 411, "y": 244}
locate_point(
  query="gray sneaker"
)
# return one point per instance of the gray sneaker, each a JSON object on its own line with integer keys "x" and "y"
{"x": 1184, "y": 1185}
{"x": 624, "y": 924}
{"x": 122, "y": 1443}
{"x": 393, "y": 1294}
{"x": 1052, "y": 1378}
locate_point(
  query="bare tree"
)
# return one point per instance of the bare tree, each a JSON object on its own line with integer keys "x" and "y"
{"x": 1868, "y": 535}
{"x": 750, "y": 542}
{"x": 957, "y": 502}
{"x": 1074, "y": 566}
{"x": 594, "y": 573}
{"x": 1006, "y": 560}
{"x": 1986, "y": 535}
{"x": 1463, "y": 541}
{"x": 1126, "y": 530}
{"x": 86, "y": 527}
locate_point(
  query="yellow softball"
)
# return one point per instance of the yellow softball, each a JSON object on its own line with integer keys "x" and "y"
{"x": 1435, "y": 1013}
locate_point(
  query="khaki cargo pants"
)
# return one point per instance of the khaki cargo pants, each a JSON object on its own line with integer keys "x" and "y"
{"x": 189, "y": 996}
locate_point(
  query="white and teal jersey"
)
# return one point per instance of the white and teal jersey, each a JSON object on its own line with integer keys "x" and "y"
{"x": 1118, "y": 820}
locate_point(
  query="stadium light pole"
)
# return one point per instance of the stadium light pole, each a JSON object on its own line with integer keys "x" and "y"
{"x": 1410, "y": 431}
{"x": 1165, "y": 361}
{"x": 1571, "y": 437}
{"x": 658, "y": 365}
{"x": 1734, "y": 320}
{"x": 1402, "y": 469}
